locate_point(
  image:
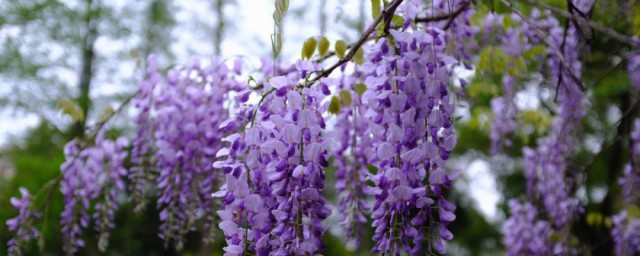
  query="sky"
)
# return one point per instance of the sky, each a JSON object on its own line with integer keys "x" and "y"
{"x": 247, "y": 35}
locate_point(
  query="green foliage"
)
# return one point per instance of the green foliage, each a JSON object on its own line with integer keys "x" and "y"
{"x": 359, "y": 88}
{"x": 334, "y": 105}
{"x": 71, "y": 108}
{"x": 323, "y": 46}
{"x": 308, "y": 48}
{"x": 375, "y": 9}
{"x": 614, "y": 84}
{"x": 358, "y": 58}
{"x": 341, "y": 48}
{"x": 345, "y": 97}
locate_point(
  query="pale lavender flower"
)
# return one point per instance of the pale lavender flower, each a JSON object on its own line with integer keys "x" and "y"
{"x": 22, "y": 225}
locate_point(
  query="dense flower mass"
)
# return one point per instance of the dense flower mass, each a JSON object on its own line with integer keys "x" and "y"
{"x": 92, "y": 174}
{"x": 251, "y": 159}
{"x": 525, "y": 233}
{"x": 187, "y": 108}
{"x": 22, "y": 224}
{"x": 352, "y": 156}
{"x": 412, "y": 140}
{"x": 626, "y": 224}
{"x": 274, "y": 170}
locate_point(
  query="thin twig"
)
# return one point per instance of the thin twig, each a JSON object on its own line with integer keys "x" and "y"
{"x": 551, "y": 45}
{"x": 388, "y": 12}
{"x": 103, "y": 122}
{"x": 451, "y": 15}
{"x": 594, "y": 25}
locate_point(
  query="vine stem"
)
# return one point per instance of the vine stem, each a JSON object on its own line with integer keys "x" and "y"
{"x": 594, "y": 25}
{"x": 386, "y": 15}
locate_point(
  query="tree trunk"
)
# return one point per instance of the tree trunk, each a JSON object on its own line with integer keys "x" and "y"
{"x": 86, "y": 72}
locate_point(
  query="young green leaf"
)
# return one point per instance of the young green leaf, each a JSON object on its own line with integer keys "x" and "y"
{"x": 323, "y": 46}
{"x": 345, "y": 96}
{"x": 341, "y": 48}
{"x": 334, "y": 105}
{"x": 308, "y": 48}
{"x": 358, "y": 58}
{"x": 360, "y": 88}
{"x": 375, "y": 8}
{"x": 71, "y": 108}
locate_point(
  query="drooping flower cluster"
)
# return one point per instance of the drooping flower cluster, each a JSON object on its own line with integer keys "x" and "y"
{"x": 142, "y": 151}
{"x": 91, "y": 174}
{"x": 188, "y": 107}
{"x": 351, "y": 153}
{"x": 626, "y": 224}
{"x": 410, "y": 109}
{"x": 633, "y": 68}
{"x": 626, "y": 234}
{"x": 22, "y": 224}
{"x": 459, "y": 33}
{"x": 274, "y": 170}
{"x": 547, "y": 167}
{"x": 504, "y": 111}
{"x": 525, "y": 233}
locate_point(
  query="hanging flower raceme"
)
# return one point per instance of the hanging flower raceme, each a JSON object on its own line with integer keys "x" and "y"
{"x": 22, "y": 225}
{"x": 188, "y": 108}
{"x": 351, "y": 152}
{"x": 633, "y": 67}
{"x": 410, "y": 110}
{"x": 91, "y": 174}
{"x": 524, "y": 233}
{"x": 142, "y": 151}
{"x": 459, "y": 32}
{"x": 546, "y": 167}
{"x": 626, "y": 224}
{"x": 274, "y": 171}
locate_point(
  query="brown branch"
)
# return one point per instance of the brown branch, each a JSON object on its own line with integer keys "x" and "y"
{"x": 103, "y": 122}
{"x": 386, "y": 14}
{"x": 541, "y": 34}
{"x": 449, "y": 16}
{"x": 594, "y": 25}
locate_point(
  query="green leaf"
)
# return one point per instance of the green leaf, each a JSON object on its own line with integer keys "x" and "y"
{"x": 308, "y": 48}
{"x": 541, "y": 121}
{"x": 398, "y": 20}
{"x": 372, "y": 169}
{"x": 345, "y": 96}
{"x": 375, "y": 8}
{"x": 323, "y": 46}
{"x": 360, "y": 88}
{"x": 358, "y": 58}
{"x": 334, "y": 105}
{"x": 278, "y": 43}
{"x": 341, "y": 48}
{"x": 106, "y": 113}
{"x": 71, "y": 108}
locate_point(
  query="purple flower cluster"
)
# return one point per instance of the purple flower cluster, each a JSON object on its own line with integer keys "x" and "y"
{"x": 351, "y": 157}
{"x": 633, "y": 67}
{"x": 187, "y": 108}
{"x": 626, "y": 224}
{"x": 546, "y": 166}
{"x": 142, "y": 151}
{"x": 274, "y": 170}
{"x": 94, "y": 173}
{"x": 630, "y": 181}
{"x": 524, "y": 232}
{"x": 458, "y": 30}
{"x": 22, "y": 224}
{"x": 504, "y": 111}
{"x": 626, "y": 234}
{"x": 412, "y": 140}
